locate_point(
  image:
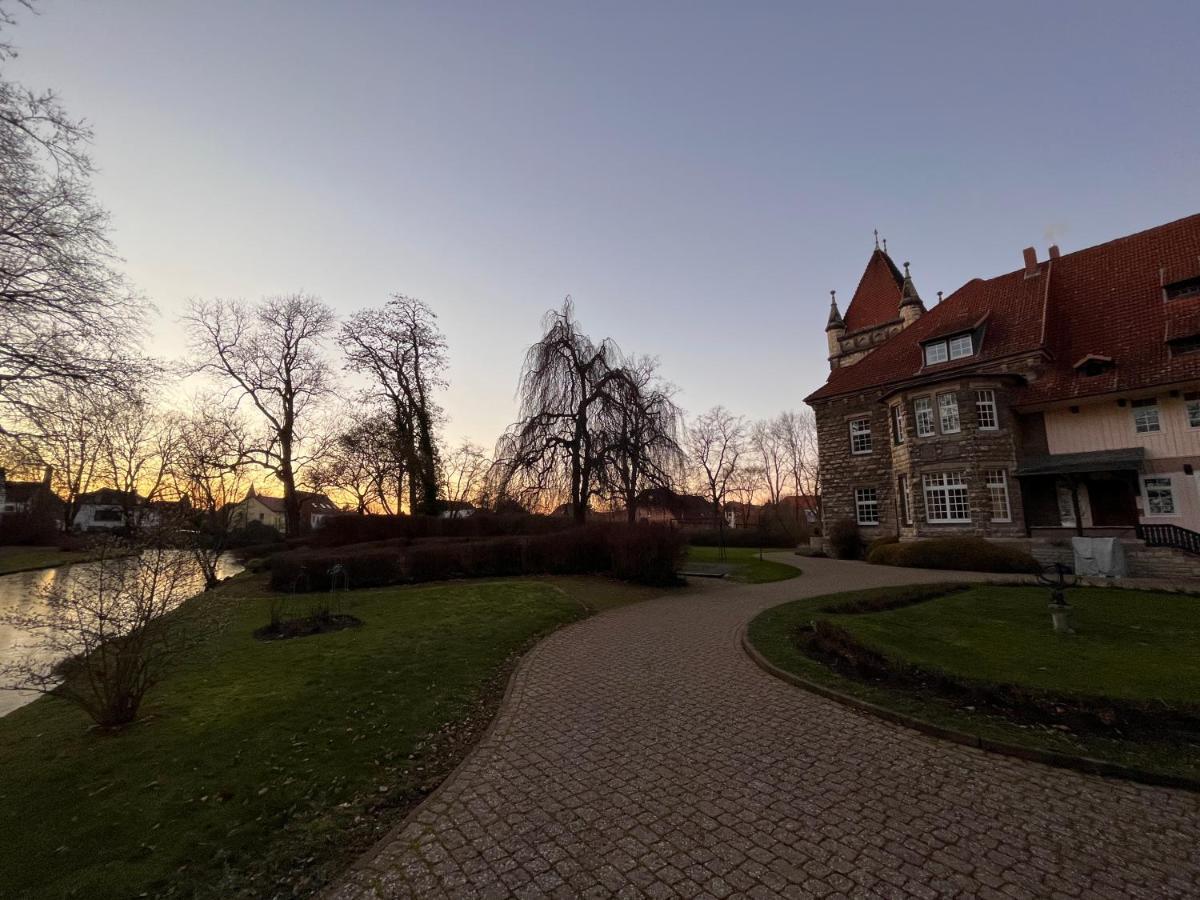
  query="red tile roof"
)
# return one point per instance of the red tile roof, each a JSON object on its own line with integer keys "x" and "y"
{"x": 877, "y": 298}
{"x": 1106, "y": 300}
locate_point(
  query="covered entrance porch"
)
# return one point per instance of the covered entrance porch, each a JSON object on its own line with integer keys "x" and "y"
{"x": 1093, "y": 493}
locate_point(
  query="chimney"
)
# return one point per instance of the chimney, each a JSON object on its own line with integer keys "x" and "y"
{"x": 47, "y": 474}
{"x": 1031, "y": 263}
{"x": 1054, "y": 251}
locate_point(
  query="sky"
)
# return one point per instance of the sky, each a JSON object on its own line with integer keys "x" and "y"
{"x": 698, "y": 176}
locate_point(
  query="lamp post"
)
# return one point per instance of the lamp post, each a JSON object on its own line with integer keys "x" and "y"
{"x": 1059, "y": 578}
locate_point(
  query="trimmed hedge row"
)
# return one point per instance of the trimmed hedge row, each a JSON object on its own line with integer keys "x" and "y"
{"x": 338, "y": 531}
{"x": 743, "y": 537}
{"x": 962, "y": 553}
{"x": 648, "y": 554}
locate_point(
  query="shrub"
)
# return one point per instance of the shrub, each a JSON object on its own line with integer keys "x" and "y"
{"x": 881, "y": 542}
{"x": 253, "y": 534}
{"x": 971, "y": 554}
{"x": 308, "y": 570}
{"x": 743, "y": 537}
{"x": 880, "y": 599}
{"x": 649, "y": 554}
{"x": 844, "y": 539}
{"x": 355, "y": 529}
{"x": 34, "y": 527}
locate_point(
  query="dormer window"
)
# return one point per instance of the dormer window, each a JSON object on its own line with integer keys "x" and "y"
{"x": 957, "y": 347}
{"x": 1094, "y": 364}
{"x": 1183, "y": 290}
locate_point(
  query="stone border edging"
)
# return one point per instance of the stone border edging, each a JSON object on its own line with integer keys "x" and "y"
{"x": 1084, "y": 764}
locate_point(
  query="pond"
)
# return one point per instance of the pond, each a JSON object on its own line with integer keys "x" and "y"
{"x": 22, "y": 592}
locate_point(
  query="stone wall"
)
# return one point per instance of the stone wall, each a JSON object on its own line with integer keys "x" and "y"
{"x": 1142, "y": 561}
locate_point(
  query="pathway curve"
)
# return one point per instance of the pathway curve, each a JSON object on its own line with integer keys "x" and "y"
{"x": 641, "y": 753}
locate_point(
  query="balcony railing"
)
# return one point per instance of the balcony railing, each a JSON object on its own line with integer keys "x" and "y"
{"x": 1170, "y": 536}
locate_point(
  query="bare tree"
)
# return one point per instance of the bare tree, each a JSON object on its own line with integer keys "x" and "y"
{"x": 65, "y": 430}
{"x": 464, "y": 473}
{"x": 105, "y": 634}
{"x": 716, "y": 443}
{"x": 798, "y": 434}
{"x": 365, "y": 462}
{"x": 644, "y": 433}
{"x": 770, "y": 450}
{"x": 66, "y": 313}
{"x": 402, "y": 350}
{"x": 209, "y": 470}
{"x": 139, "y": 447}
{"x": 271, "y": 355}
{"x": 745, "y": 488}
{"x": 567, "y": 392}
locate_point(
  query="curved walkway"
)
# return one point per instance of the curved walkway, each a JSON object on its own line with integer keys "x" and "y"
{"x": 641, "y": 753}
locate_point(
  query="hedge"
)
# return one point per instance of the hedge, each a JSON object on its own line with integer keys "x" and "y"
{"x": 970, "y": 554}
{"x": 744, "y": 537}
{"x": 337, "y": 531}
{"x": 648, "y": 554}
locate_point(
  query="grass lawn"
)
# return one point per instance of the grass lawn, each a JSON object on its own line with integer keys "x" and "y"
{"x": 263, "y": 764}
{"x": 748, "y": 568}
{"x": 1132, "y": 645}
{"x": 20, "y": 559}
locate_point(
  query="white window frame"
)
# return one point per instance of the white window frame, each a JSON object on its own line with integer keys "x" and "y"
{"x": 1146, "y": 417}
{"x": 924, "y": 416}
{"x": 866, "y": 506}
{"x": 899, "y": 423}
{"x": 987, "y": 414}
{"x": 1192, "y": 410}
{"x": 946, "y": 494}
{"x": 860, "y": 433}
{"x": 943, "y": 408}
{"x": 904, "y": 490}
{"x": 997, "y": 485}
{"x": 957, "y": 350}
{"x": 1162, "y": 483}
{"x": 937, "y": 352}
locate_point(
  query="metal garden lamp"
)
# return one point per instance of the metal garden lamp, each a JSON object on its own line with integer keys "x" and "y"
{"x": 1059, "y": 578}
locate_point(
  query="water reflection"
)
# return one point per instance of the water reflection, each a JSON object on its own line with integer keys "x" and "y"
{"x": 22, "y": 593}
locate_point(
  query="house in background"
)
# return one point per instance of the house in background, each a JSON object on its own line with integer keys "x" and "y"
{"x": 315, "y": 508}
{"x": 111, "y": 510}
{"x": 1061, "y": 398}
{"x": 29, "y": 507}
{"x": 457, "y": 509}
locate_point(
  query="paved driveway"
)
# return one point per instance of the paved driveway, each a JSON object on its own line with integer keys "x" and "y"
{"x": 642, "y": 754}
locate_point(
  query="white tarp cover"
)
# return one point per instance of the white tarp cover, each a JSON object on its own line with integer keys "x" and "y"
{"x": 1099, "y": 556}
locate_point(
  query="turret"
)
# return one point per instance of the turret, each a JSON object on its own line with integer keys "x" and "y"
{"x": 911, "y": 307}
{"x": 834, "y": 329}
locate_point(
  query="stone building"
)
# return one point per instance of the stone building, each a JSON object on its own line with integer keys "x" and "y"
{"x": 1061, "y": 398}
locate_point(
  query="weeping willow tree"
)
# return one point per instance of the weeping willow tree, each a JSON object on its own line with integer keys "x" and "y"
{"x": 568, "y": 393}
{"x": 643, "y": 436}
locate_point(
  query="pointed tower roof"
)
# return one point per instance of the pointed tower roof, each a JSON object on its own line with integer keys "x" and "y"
{"x": 908, "y": 291}
{"x": 877, "y": 299}
{"x": 835, "y": 317}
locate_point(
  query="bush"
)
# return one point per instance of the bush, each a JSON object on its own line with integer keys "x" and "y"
{"x": 253, "y": 534}
{"x": 306, "y": 570}
{"x": 964, "y": 553}
{"x": 743, "y": 537}
{"x": 35, "y": 527}
{"x": 844, "y": 539}
{"x": 355, "y": 529}
{"x": 648, "y": 554}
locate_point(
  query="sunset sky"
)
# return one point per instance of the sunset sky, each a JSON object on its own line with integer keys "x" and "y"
{"x": 697, "y": 176}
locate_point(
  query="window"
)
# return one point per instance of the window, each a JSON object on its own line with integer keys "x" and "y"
{"x": 1184, "y": 345}
{"x": 997, "y": 484}
{"x": 860, "y": 435}
{"x": 866, "y": 506}
{"x": 107, "y": 515}
{"x": 1066, "y": 505}
{"x": 905, "y": 494}
{"x": 985, "y": 410}
{"x": 936, "y": 353}
{"x": 946, "y": 498}
{"x": 923, "y": 408}
{"x": 898, "y": 423}
{"x": 1193, "y": 410}
{"x": 948, "y": 411}
{"x": 1160, "y": 498}
{"x": 961, "y": 346}
{"x": 1145, "y": 416}
{"x": 1183, "y": 289}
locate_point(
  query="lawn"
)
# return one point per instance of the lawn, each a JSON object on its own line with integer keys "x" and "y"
{"x": 21, "y": 559}
{"x": 263, "y": 764}
{"x": 1129, "y": 645}
{"x": 747, "y": 567}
